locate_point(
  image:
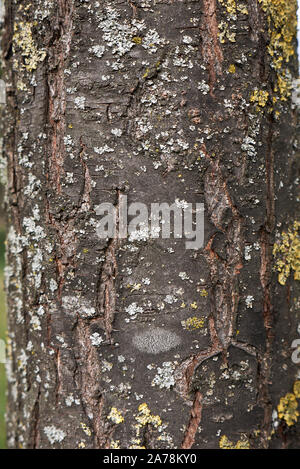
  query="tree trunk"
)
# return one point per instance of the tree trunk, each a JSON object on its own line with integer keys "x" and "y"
{"x": 140, "y": 342}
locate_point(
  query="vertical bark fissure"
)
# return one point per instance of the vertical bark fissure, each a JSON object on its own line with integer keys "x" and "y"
{"x": 106, "y": 288}
{"x": 88, "y": 384}
{"x": 59, "y": 52}
{"x": 211, "y": 49}
{"x": 265, "y": 278}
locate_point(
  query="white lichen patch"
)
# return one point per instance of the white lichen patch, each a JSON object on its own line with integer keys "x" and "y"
{"x": 53, "y": 285}
{"x": 72, "y": 305}
{"x": 249, "y": 301}
{"x": 36, "y": 232}
{"x": 96, "y": 339}
{"x": 116, "y": 132}
{"x": 142, "y": 234}
{"x": 54, "y": 435}
{"x": 35, "y": 323}
{"x": 97, "y": 50}
{"x": 79, "y": 102}
{"x": 170, "y": 299}
{"x": 165, "y": 376}
{"x": 121, "y": 36}
{"x": 102, "y": 150}
{"x": 133, "y": 310}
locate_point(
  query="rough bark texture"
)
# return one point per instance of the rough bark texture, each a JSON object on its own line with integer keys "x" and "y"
{"x": 157, "y": 100}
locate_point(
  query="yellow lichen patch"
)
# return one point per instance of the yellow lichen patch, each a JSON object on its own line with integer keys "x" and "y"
{"x": 225, "y": 33}
{"x": 23, "y": 42}
{"x": 231, "y": 68}
{"x": 86, "y": 429}
{"x": 260, "y": 98}
{"x": 296, "y": 389}
{"x": 225, "y": 443}
{"x": 282, "y": 20}
{"x": 203, "y": 293}
{"x": 21, "y": 86}
{"x": 137, "y": 40}
{"x": 115, "y": 416}
{"x": 134, "y": 287}
{"x": 242, "y": 8}
{"x": 287, "y": 409}
{"x": 230, "y": 6}
{"x": 115, "y": 444}
{"x": 193, "y": 323}
{"x": 145, "y": 417}
{"x": 287, "y": 253}
{"x": 136, "y": 444}
{"x": 283, "y": 86}
{"x": 233, "y": 7}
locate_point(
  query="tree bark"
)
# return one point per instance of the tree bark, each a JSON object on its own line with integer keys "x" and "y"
{"x": 143, "y": 343}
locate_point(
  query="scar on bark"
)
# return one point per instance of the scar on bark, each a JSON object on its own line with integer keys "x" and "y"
{"x": 211, "y": 49}
{"x": 221, "y": 327}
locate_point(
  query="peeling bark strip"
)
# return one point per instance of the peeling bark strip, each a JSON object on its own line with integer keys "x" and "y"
{"x": 211, "y": 48}
{"x": 141, "y": 343}
{"x": 193, "y": 425}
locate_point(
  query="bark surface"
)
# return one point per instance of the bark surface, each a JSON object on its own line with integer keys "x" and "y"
{"x": 141, "y": 343}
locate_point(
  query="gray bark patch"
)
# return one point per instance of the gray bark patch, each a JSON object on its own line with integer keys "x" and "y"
{"x": 156, "y": 340}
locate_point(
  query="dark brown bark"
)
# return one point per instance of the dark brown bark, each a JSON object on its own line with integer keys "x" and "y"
{"x": 157, "y": 100}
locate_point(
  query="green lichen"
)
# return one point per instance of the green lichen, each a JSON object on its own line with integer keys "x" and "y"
{"x": 287, "y": 254}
